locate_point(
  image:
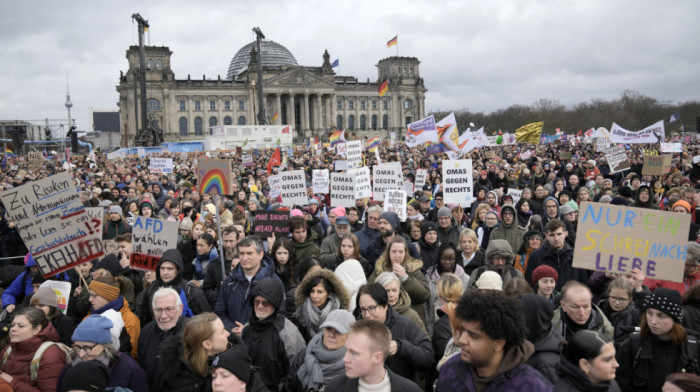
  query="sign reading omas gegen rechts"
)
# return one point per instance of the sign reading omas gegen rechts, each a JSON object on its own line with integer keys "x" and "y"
{"x": 53, "y": 223}
{"x": 458, "y": 182}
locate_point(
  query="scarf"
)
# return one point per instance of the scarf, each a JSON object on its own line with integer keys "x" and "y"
{"x": 320, "y": 364}
{"x": 313, "y": 317}
{"x": 115, "y": 305}
{"x": 201, "y": 262}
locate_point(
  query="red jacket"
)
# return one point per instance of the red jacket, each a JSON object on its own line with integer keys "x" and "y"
{"x": 681, "y": 287}
{"x": 50, "y": 366}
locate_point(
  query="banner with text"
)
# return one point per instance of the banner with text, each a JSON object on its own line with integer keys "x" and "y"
{"x": 458, "y": 182}
{"x": 293, "y": 188}
{"x": 354, "y": 154}
{"x": 395, "y": 201}
{"x": 656, "y": 165}
{"x": 363, "y": 186}
{"x": 421, "y": 174}
{"x": 617, "y": 159}
{"x": 150, "y": 238}
{"x": 386, "y": 176}
{"x": 342, "y": 190}
{"x": 321, "y": 181}
{"x": 652, "y": 134}
{"x": 247, "y": 160}
{"x": 671, "y": 147}
{"x": 161, "y": 165}
{"x": 271, "y": 222}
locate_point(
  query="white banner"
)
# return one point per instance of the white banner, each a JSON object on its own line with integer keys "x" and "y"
{"x": 652, "y": 134}
{"x": 320, "y": 181}
{"x": 340, "y": 165}
{"x": 293, "y": 189}
{"x": 408, "y": 187}
{"x": 516, "y": 194}
{"x": 363, "y": 186}
{"x": 386, "y": 176}
{"x": 422, "y": 131}
{"x": 354, "y": 154}
{"x": 421, "y": 174}
{"x": 458, "y": 182}
{"x": 161, "y": 165}
{"x": 395, "y": 201}
{"x": 671, "y": 147}
{"x": 342, "y": 190}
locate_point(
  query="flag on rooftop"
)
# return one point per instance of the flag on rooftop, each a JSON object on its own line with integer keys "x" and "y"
{"x": 335, "y": 63}
{"x": 383, "y": 87}
{"x": 393, "y": 41}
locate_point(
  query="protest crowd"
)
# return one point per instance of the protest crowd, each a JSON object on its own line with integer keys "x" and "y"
{"x": 354, "y": 295}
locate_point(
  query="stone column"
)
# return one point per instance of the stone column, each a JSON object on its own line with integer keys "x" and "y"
{"x": 290, "y": 108}
{"x": 305, "y": 115}
{"x": 318, "y": 112}
{"x": 278, "y": 107}
{"x": 332, "y": 112}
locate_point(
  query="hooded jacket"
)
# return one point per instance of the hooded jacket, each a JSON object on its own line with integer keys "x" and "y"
{"x": 428, "y": 252}
{"x": 513, "y": 233}
{"x": 560, "y": 260}
{"x": 375, "y": 249}
{"x": 416, "y": 284}
{"x": 570, "y": 229}
{"x": 523, "y": 219}
{"x": 497, "y": 248}
{"x": 649, "y": 203}
{"x": 538, "y": 317}
{"x": 450, "y": 234}
{"x": 307, "y": 329}
{"x": 274, "y": 341}
{"x": 21, "y": 286}
{"x": 233, "y": 303}
{"x": 308, "y": 248}
{"x": 622, "y": 320}
{"x": 596, "y": 322}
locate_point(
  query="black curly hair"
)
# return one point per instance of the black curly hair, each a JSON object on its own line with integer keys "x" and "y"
{"x": 501, "y": 317}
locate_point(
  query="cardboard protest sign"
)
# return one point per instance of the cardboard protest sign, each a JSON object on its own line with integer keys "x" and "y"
{"x": 421, "y": 174}
{"x": 516, "y": 194}
{"x": 617, "y": 159}
{"x": 490, "y": 154}
{"x": 386, "y": 176}
{"x": 618, "y": 239}
{"x": 36, "y": 161}
{"x": 458, "y": 182}
{"x": 62, "y": 291}
{"x": 293, "y": 188}
{"x": 395, "y": 201}
{"x": 565, "y": 155}
{"x": 354, "y": 154}
{"x": 247, "y": 160}
{"x": 161, "y": 165}
{"x": 671, "y": 147}
{"x": 52, "y": 222}
{"x": 363, "y": 187}
{"x": 656, "y": 165}
{"x": 214, "y": 176}
{"x": 96, "y": 213}
{"x": 269, "y": 222}
{"x": 320, "y": 181}
{"x": 342, "y": 190}
{"x": 150, "y": 238}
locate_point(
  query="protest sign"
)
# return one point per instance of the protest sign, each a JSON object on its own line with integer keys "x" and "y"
{"x": 652, "y": 134}
{"x": 53, "y": 224}
{"x": 321, "y": 181}
{"x": 408, "y": 187}
{"x": 35, "y": 161}
{"x": 421, "y": 174}
{"x": 516, "y": 194}
{"x": 96, "y": 213}
{"x": 525, "y": 155}
{"x": 671, "y": 147}
{"x": 150, "y": 238}
{"x": 656, "y": 165}
{"x": 214, "y": 176}
{"x": 363, "y": 186}
{"x": 696, "y": 159}
{"x": 458, "y": 182}
{"x": 293, "y": 188}
{"x": 342, "y": 190}
{"x": 354, "y": 154}
{"x": 342, "y": 149}
{"x": 161, "y": 165}
{"x": 619, "y": 239}
{"x": 340, "y": 165}
{"x": 269, "y": 222}
{"x": 617, "y": 159}
{"x": 565, "y": 155}
{"x": 602, "y": 144}
{"x": 490, "y": 154}
{"x": 386, "y": 176}
{"x": 62, "y": 291}
{"x": 275, "y": 185}
{"x": 247, "y": 160}
{"x": 395, "y": 201}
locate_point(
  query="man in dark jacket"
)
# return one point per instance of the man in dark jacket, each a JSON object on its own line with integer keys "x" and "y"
{"x": 368, "y": 347}
{"x": 538, "y": 316}
{"x": 389, "y": 226}
{"x": 370, "y": 231}
{"x": 303, "y": 239}
{"x": 558, "y": 254}
{"x": 213, "y": 275}
{"x": 233, "y": 306}
{"x": 272, "y": 339}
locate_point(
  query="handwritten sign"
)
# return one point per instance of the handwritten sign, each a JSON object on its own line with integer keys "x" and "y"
{"x": 161, "y": 165}
{"x": 342, "y": 149}
{"x": 293, "y": 188}
{"x": 617, "y": 159}
{"x": 619, "y": 239}
{"x": 363, "y": 186}
{"x": 395, "y": 201}
{"x": 386, "y": 176}
{"x": 247, "y": 160}
{"x": 354, "y": 154}
{"x": 516, "y": 194}
{"x": 62, "y": 291}
{"x": 36, "y": 161}
{"x": 671, "y": 147}
{"x": 342, "y": 190}
{"x": 321, "y": 181}
{"x": 150, "y": 238}
{"x": 656, "y": 165}
{"x": 421, "y": 174}
{"x": 275, "y": 185}
{"x": 271, "y": 222}
{"x": 458, "y": 182}
{"x": 565, "y": 155}
{"x": 340, "y": 165}
{"x": 52, "y": 222}
{"x": 525, "y": 155}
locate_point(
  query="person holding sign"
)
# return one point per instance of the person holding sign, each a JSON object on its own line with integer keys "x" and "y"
{"x": 45, "y": 299}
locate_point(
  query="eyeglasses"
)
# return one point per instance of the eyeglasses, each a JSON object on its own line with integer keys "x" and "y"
{"x": 369, "y": 309}
{"x": 85, "y": 349}
{"x": 168, "y": 310}
{"x": 262, "y": 302}
{"x": 618, "y": 299}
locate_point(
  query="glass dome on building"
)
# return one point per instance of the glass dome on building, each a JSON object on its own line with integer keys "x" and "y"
{"x": 273, "y": 55}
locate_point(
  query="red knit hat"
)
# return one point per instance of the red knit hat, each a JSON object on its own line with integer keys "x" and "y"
{"x": 544, "y": 271}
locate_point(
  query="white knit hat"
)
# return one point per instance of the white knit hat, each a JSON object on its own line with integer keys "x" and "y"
{"x": 490, "y": 280}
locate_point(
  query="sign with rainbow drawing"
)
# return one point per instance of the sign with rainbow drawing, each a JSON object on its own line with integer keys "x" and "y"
{"x": 214, "y": 176}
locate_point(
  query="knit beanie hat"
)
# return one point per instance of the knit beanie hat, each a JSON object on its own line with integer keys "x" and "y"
{"x": 619, "y": 201}
{"x": 115, "y": 210}
{"x": 109, "y": 263}
{"x": 490, "y": 280}
{"x": 338, "y": 211}
{"x": 236, "y": 360}
{"x": 566, "y": 209}
{"x": 544, "y": 271}
{"x": 186, "y": 224}
{"x": 45, "y": 296}
{"x": 605, "y": 199}
{"x": 428, "y": 226}
{"x": 94, "y": 329}
{"x": 90, "y": 376}
{"x": 572, "y": 204}
{"x": 296, "y": 212}
{"x": 667, "y": 301}
{"x": 145, "y": 203}
{"x": 392, "y": 218}
{"x": 444, "y": 211}
{"x": 684, "y": 204}
{"x": 104, "y": 290}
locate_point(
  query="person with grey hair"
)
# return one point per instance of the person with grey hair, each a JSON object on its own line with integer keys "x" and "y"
{"x": 370, "y": 230}
{"x": 399, "y": 298}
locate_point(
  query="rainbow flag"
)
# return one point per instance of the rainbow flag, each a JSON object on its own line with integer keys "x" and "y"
{"x": 393, "y": 41}
{"x": 274, "y": 117}
{"x": 9, "y": 152}
{"x": 372, "y": 144}
{"x": 384, "y": 87}
{"x": 336, "y": 138}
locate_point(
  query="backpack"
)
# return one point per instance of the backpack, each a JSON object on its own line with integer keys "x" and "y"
{"x": 34, "y": 365}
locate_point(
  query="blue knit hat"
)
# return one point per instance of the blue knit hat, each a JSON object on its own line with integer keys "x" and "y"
{"x": 94, "y": 329}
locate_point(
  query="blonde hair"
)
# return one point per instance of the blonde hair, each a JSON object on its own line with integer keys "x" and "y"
{"x": 450, "y": 289}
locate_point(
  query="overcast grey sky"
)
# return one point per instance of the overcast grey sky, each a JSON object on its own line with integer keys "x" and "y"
{"x": 480, "y": 55}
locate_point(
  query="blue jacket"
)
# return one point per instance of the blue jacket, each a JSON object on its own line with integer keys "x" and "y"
{"x": 233, "y": 303}
{"x": 20, "y": 287}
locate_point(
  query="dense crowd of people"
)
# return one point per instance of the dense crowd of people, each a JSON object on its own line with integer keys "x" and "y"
{"x": 453, "y": 298}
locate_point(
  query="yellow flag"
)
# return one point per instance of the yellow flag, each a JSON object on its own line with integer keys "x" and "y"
{"x": 529, "y": 133}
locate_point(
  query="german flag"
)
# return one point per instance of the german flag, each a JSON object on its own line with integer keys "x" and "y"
{"x": 392, "y": 42}
{"x": 383, "y": 87}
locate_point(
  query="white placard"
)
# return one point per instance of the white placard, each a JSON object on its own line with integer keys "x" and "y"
{"x": 408, "y": 187}
{"x": 342, "y": 190}
{"x": 386, "y": 176}
{"x": 525, "y": 155}
{"x": 421, "y": 174}
{"x": 458, "y": 182}
{"x": 340, "y": 165}
{"x": 363, "y": 186}
{"x": 161, "y": 165}
{"x": 516, "y": 194}
{"x": 671, "y": 147}
{"x": 617, "y": 159}
{"x": 321, "y": 181}
{"x": 354, "y": 154}
{"x": 62, "y": 291}
{"x": 395, "y": 201}
{"x": 141, "y": 152}
{"x": 342, "y": 149}
{"x": 696, "y": 159}
{"x": 275, "y": 185}
{"x": 247, "y": 160}
{"x": 293, "y": 189}
{"x": 149, "y": 240}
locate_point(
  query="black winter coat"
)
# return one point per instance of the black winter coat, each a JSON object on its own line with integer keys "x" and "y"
{"x": 573, "y": 379}
{"x": 442, "y": 333}
{"x": 476, "y": 262}
{"x": 212, "y": 280}
{"x": 149, "y": 347}
{"x": 693, "y": 319}
{"x": 414, "y": 353}
{"x": 398, "y": 384}
{"x": 561, "y": 261}
{"x": 623, "y": 321}
{"x": 428, "y": 253}
{"x": 546, "y": 357}
{"x": 176, "y": 374}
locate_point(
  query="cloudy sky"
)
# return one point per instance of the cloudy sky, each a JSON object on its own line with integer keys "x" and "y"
{"x": 480, "y": 55}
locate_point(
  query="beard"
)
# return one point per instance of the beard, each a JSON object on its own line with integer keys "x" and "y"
{"x": 386, "y": 233}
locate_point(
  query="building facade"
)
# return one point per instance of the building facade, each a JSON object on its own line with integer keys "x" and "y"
{"x": 313, "y": 100}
